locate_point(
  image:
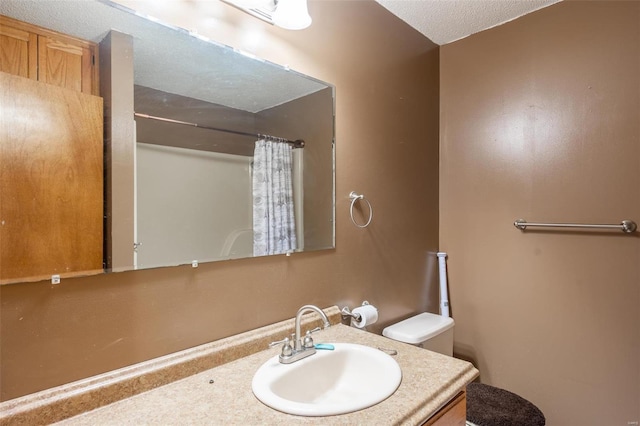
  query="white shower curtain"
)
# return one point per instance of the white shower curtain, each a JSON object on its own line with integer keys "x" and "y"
{"x": 274, "y": 229}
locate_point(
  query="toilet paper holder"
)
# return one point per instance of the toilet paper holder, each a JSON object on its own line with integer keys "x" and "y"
{"x": 346, "y": 312}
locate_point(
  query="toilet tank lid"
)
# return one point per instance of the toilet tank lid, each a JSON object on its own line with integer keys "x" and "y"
{"x": 419, "y": 328}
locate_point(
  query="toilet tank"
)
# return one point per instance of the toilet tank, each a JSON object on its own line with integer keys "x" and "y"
{"x": 429, "y": 331}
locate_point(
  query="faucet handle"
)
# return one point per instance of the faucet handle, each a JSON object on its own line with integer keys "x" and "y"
{"x": 279, "y": 342}
{"x": 308, "y": 341}
{"x": 287, "y": 349}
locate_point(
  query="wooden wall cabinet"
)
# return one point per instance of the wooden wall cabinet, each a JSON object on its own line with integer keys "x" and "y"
{"x": 47, "y": 56}
{"x": 51, "y": 155}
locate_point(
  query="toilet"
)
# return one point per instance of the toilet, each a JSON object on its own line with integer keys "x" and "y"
{"x": 486, "y": 405}
{"x": 428, "y": 331}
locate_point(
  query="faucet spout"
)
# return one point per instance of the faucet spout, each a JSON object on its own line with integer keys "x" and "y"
{"x": 303, "y": 310}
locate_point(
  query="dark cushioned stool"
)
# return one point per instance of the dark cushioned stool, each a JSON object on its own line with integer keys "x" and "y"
{"x": 491, "y": 406}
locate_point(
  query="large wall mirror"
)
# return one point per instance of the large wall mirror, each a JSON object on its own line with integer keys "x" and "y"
{"x": 184, "y": 190}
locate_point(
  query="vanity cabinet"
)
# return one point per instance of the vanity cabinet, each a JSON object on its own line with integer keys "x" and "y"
{"x": 47, "y": 56}
{"x": 452, "y": 414}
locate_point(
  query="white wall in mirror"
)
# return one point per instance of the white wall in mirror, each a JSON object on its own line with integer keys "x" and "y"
{"x": 170, "y": 181}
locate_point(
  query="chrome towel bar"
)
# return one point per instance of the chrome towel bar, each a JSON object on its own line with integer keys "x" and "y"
{"x": 627, "y": 226}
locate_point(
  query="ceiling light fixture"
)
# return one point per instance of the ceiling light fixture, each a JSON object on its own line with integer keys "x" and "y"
{"x": 287, "y": 14}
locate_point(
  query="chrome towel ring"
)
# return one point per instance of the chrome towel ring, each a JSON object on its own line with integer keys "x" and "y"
{"x": 355, "y": 197}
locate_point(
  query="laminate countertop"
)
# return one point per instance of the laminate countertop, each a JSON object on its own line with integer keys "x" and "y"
{"x": 223, "y": 395}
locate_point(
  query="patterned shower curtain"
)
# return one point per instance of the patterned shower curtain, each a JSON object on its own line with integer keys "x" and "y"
{"x": 274, "y": 228}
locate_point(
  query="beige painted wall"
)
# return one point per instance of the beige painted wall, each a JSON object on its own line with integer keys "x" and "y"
{"x": 386, "y": 147}
{"x": 540, "y": 120}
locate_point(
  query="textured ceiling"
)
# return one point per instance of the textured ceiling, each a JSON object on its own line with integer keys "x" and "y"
{"x": 444, "y": 21}
{"x": 215, "y": 73}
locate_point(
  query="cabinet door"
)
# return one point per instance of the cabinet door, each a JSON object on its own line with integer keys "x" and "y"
{"x": 51, "y": 181}
{"x": 18, "y": 51}
{"x": 452, "y": 414}
{"x": 47, "y": 56}
{"x": 65, "y": 65}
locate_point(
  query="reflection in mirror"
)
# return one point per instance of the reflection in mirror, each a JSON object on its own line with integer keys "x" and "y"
{"x": 184, "y": 193}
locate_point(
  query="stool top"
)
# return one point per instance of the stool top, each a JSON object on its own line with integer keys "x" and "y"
{"x": 491, "y": 406}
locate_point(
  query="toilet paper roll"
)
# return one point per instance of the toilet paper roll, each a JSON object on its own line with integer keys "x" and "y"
{"x": 368, "y": 315}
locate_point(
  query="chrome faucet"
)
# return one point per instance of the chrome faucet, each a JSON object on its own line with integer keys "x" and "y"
{"x": 302, "y": 347}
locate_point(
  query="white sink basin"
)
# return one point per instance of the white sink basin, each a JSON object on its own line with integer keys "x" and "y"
{"x": 347, "y": 379}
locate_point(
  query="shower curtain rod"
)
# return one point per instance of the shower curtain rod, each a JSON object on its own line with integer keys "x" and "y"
{"x": 299, "y": 143}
